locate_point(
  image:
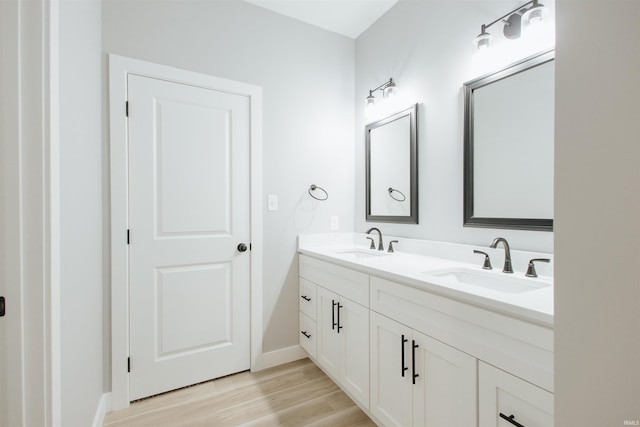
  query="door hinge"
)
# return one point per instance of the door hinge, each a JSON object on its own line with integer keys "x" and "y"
{"x": 2, "y": 304}
{"x": 128, "y": 240}
{"x": 128, "y": 364}
{"x": 126, "y": 109}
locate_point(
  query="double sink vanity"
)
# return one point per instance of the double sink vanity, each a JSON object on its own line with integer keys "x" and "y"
{"x": 424, "y": 335}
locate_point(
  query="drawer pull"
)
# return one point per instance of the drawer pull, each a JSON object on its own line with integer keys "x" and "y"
{"x": 510, "y": 418}
{"x": 306, "y": 334}
{"x": 402, "y": 341}
{"x": 304, "y": 297}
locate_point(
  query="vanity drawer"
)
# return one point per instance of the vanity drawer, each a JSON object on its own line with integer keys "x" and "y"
{"x": 520, "y": 347}
{"x": 308, "y": 298}
{"x": 504, "y": 396}
{"x": 308, "y": 335}
{"x": 351, "y": 284}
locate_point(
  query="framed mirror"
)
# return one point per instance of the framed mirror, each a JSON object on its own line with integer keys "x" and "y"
{"x": 391, "y": 168}
{"x": 508, "y": 146}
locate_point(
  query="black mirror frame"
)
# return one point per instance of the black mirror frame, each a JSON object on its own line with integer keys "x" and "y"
{"x": 413, "y": 167}
{"x": 470, "y": 220}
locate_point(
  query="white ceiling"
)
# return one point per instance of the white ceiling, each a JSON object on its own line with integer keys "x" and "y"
{"x": 348, "y": 17}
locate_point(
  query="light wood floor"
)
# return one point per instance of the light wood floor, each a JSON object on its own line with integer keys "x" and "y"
{"x": 295, "y": 394}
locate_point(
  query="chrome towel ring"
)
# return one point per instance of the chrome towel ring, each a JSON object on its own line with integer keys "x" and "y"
{"x": 393, "y": 190}
{"x": 314, "y": 188}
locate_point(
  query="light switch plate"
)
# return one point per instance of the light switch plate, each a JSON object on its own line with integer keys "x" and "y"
{"x": 272, "y": 203}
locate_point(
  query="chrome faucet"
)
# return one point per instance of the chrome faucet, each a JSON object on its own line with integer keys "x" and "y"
{"x": 507, "y": 253}
{"x": 380, "y": 244}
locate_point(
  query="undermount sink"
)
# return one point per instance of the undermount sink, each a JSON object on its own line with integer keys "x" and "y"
{"x": 495, "y": 281}
{"x": 362, "y": 253}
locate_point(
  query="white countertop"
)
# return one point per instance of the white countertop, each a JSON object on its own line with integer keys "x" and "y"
{"x": 413, "y": 270}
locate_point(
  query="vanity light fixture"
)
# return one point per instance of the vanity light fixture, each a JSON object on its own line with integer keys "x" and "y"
{"x": 388, "y": 89}
{"x": 513, "y": 22}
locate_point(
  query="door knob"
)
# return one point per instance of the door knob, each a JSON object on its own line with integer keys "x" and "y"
{"x": 242, "y": 247}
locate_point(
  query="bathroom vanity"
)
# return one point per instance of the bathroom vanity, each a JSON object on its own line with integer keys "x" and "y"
{"x": 425, "y": 336}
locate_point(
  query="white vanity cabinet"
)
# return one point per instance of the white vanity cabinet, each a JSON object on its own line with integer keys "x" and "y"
{"x": 342, "y": 323}
{"x": 506, "y": 400}
{"x": 410, "y": 356}
{"x": 417, "y": 380}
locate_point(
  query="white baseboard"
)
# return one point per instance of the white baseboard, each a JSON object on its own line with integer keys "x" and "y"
{"x": 104, "y": 406}
{"x": 283, "y": 355}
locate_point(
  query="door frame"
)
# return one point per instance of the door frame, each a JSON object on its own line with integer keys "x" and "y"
{"x": 119, "y": 68}
{"x": 30, "y": 181}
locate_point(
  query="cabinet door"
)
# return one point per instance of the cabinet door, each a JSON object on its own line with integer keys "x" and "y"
{"x": 502, "y": 393}
{"x": 354, "y": 336}
{"x": 445, "y": 391}
{"x": 328, "y": 352}
{"x": 391, "y": 385}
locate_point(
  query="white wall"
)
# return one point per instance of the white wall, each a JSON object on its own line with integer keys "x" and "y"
{"x": 597, "y": 235}
{"x": 307, "y": 80}
{"x": 425, "y": 46}
{"x": 80, "y": 210}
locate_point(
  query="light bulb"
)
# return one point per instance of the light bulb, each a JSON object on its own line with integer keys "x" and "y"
{"x": 483, "y": 40}
{"x": 535, "y": 13}
{"x": 390, "y": 90}
{"x": 371, "y": 100}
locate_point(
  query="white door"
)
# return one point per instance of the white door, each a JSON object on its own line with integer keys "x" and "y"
{"x": 445, "y": 391}
{"x": 354, "y": 335}
{"x": 188, "y": 212}
{"x": 328, "y": 342}
{"x": 391, "y": 373}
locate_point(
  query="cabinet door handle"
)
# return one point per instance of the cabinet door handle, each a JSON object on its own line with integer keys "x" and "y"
{"x": 413, "y": 360}
{"x": 339, "y": 325}
{"x": 306, "y": 334}
{"x": 333, "y": 314}
{"x": 510, "y": 418}
{"x": 402, "y": 341}
{"x": 304, "y": 297}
